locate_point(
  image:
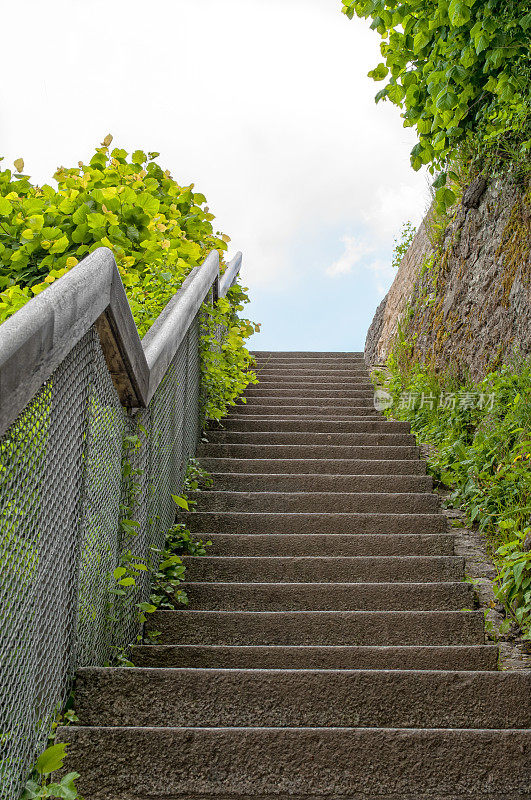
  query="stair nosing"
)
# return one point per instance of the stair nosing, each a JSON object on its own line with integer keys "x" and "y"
{"x": 321, "y": 584}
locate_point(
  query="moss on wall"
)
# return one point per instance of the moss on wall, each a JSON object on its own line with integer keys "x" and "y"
{"x": 471, "y": 300}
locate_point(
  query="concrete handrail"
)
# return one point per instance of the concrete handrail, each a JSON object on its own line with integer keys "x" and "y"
{"x": 38, "y": 337}
{"x": 229, "y": 276}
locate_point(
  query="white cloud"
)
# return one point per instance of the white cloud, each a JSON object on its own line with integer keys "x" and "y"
{"x": 264, "y": 104}
{"x": 354, "y": 258}
{"x": 390, "y": 206}
{"x": 353, "y": 252}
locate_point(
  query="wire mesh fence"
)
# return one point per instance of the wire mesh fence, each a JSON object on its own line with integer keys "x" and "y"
{"x": 85, "y": 486}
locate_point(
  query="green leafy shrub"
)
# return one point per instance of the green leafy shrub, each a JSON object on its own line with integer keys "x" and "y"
{"x": 157, "y": 230}
{"x": 514, "y": 580}
{"x": 481, "y": 450}
{"x": 460, "y": 71}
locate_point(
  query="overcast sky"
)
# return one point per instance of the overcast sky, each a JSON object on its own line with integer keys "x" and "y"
{"x": 264, "y": 105}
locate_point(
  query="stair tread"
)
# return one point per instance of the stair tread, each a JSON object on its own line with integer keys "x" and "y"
{"x": 375, "y": 697}
{"x": 339, "y": 656}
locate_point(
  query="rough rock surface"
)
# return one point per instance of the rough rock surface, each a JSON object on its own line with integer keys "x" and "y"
{"x": 374, "y": 334}
{"x": 388, "y": 314}
{"x": 472, "y": 546}
{"x": 470, "y": 302}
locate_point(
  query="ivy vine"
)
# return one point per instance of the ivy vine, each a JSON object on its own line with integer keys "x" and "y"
{"x": 460, "y": 72}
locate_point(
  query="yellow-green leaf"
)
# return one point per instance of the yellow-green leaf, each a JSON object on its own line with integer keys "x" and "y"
{"x": 60, "y": 245}
{"x": 5, "y": 207}
{"x": 180, "y": 501}
{"x": 51, "y": 760}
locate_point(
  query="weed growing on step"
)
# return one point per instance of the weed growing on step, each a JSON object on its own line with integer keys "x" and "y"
{"x": 482, "y": 453}
{"x": 196, "y": 477}
{"x": 40, "y": 783}
{"x": 495, "y": 632}
{"x": 165, "y": 591}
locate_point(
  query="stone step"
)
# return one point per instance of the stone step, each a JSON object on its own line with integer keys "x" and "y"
{"x": 315, "y": 466}
{"x": 313, "y": 502}
{"x": 299, "y": 763}
{"x": 304, "y": 390}
{"x": 218, "y": 596}
{"x": 312, "y": 375}
{"x": 252, "y": 482}
{"x": 327, "y": 451}
{"x": 346, "y": 358}
{"x": 314, "y": 386}
{"x": 311, "y": 366}
{"x": 279, "y": 373}
{"x": 261, "y": 522}
{"x": 354, "y": 364}
{"x": 364, "y": 400}
{"x": 131, "y": 697}
{"x": 333, "y": 369}
{"x": 462, "y": 657}
{"x": 327, "y": 544}
{"x": 345, "y": 425}
{"x": 305, "y": 410}
{"x": 296, "y": 355}
{"x": 324, "y": 569}
{"x": 388, "y": 439}
{"x": 318, "y": 627}
{"x": 287, "y": 416}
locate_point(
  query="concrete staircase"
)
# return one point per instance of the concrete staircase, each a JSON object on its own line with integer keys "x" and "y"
{"x": 331, "y": 650}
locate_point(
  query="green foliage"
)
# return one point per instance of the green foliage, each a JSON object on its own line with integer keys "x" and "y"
{"x": 167, "y": 577}
{"x": 166, "y": 592}
{"x": 481, "y": 438}
{"x": 158, "y": 232}
{"x": 156, "y": 229}
{"x": 129, "y": 567}
{"x": 225, "y": 362}
{"x": 458, "y": 69}
{"x": 180, "y": 501}
{"x": 196, "y": 477}
{"x": 514, "y": 580}
{"x": 51, "y": 760}
{"x": 38, "y": 786}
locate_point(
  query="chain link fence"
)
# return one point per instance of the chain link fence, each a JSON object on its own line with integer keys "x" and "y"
{"x": 85, "y": 486}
